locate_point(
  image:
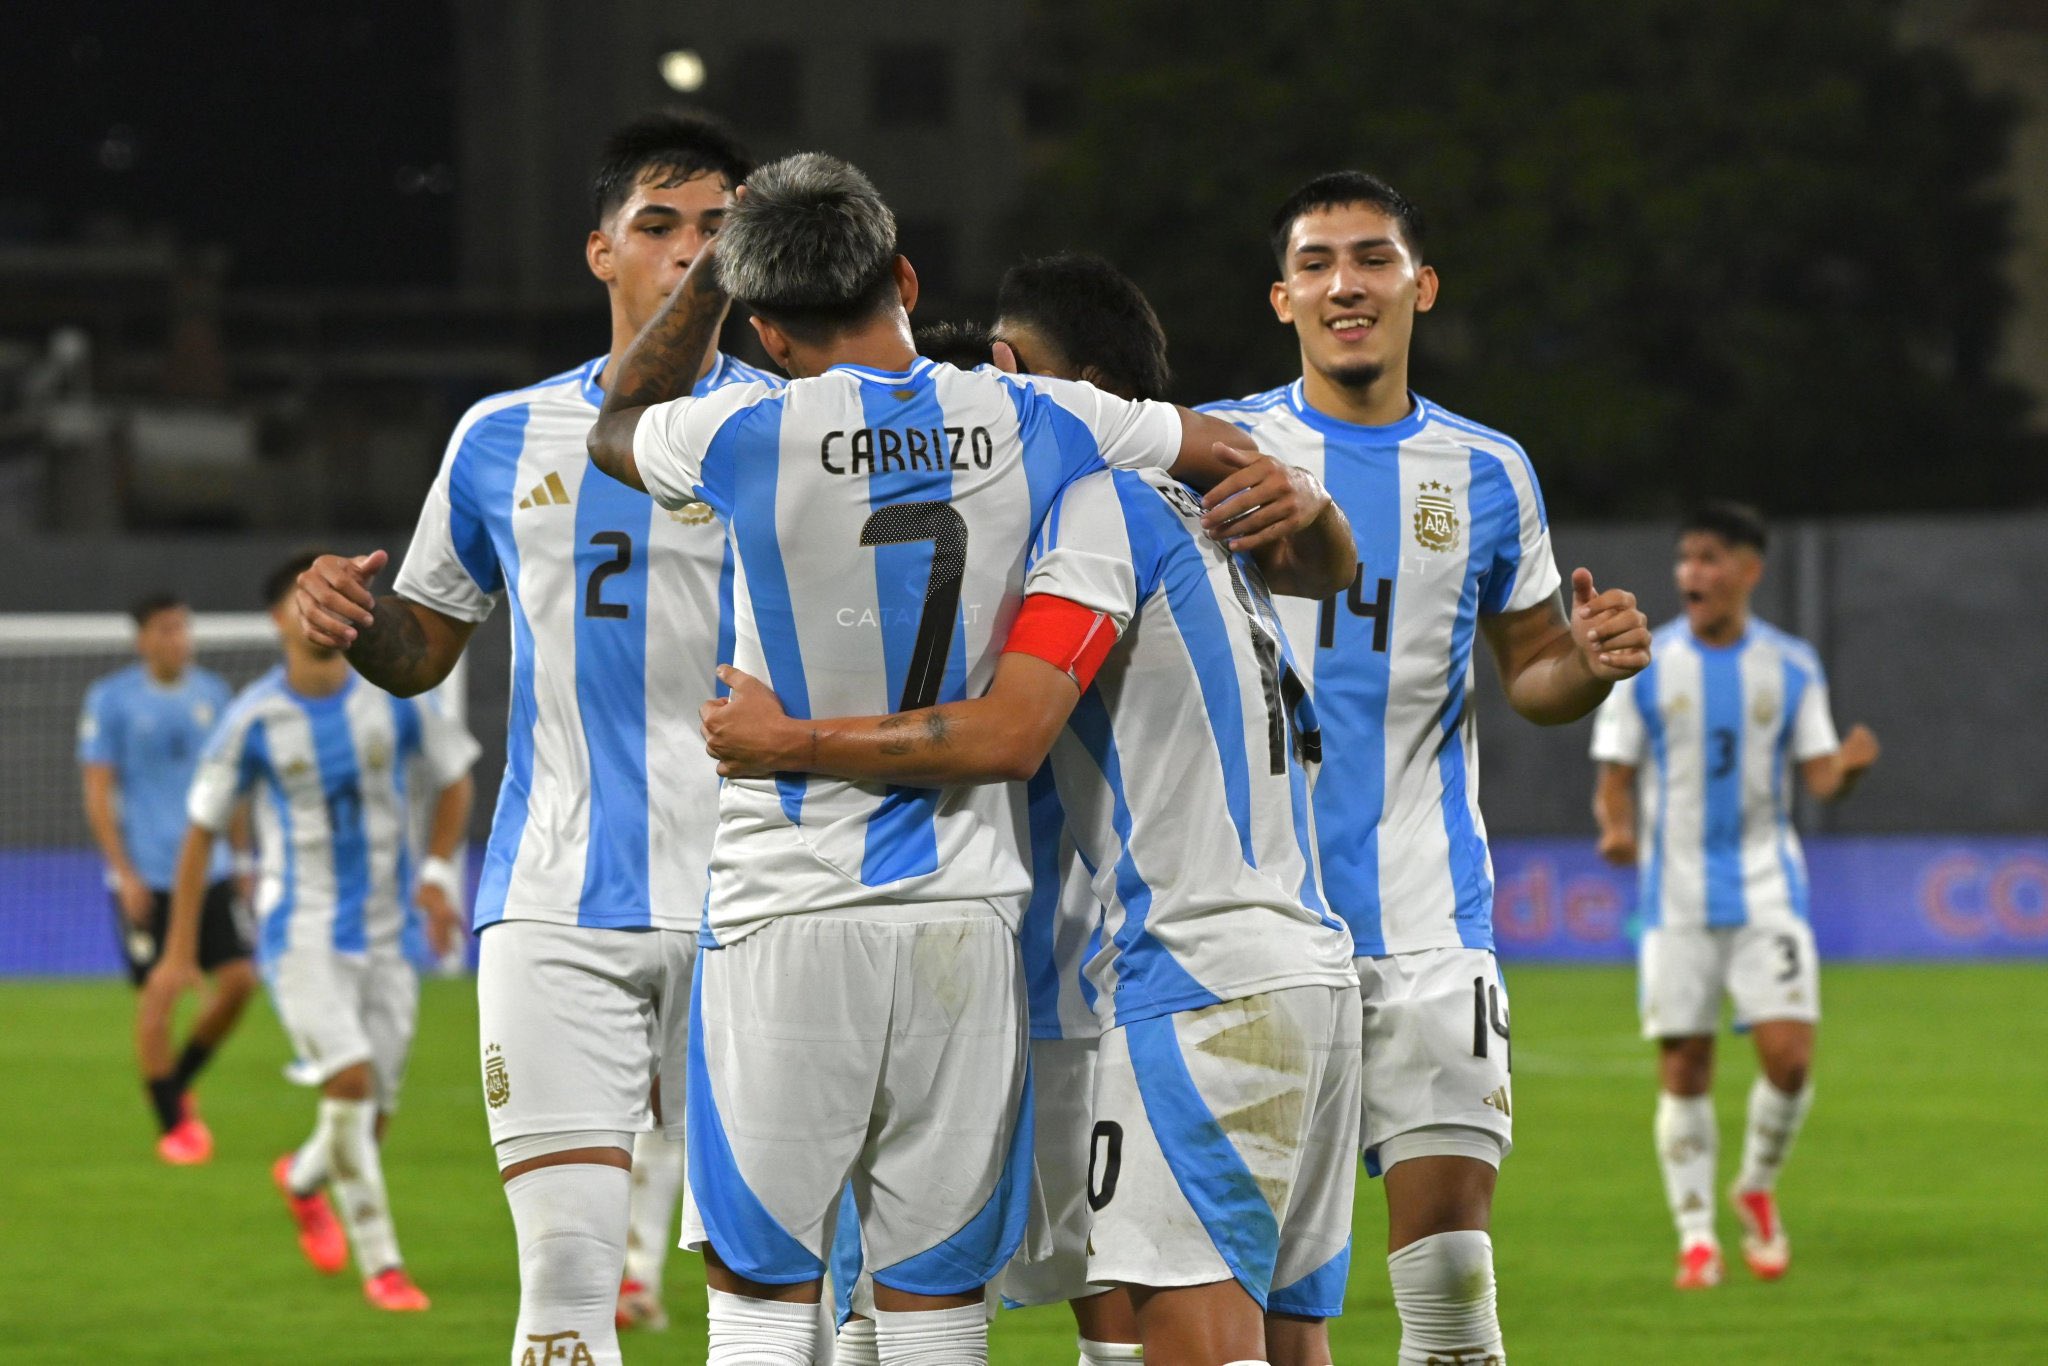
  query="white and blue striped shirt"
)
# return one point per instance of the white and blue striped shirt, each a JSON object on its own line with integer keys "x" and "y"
{"x": 328, "y": 780}
{"x": 1184, "y": 769}
{"x": 1062, "y": 925}
{"x": 620, "y": 615}
{"x": 879, "y": 523}
{"x": 1712, "y": 732}
{"x": 1450, "y": 528}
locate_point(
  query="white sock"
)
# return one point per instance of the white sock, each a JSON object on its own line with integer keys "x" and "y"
{"x": 750, "y": 1332}
{"x": 1103, "y": 1353}
{"x": 1688, "y": 1145}
{"x": 856, "y": 1345}
{"x": 1774, "y": 1120}
{"x": 309, "y": 1164}
{"x": 651, "y": 1228}
{"x": 570, "y": 1220}
{"x": 1443, "y": 1288}
{"x": 356, "y": 1170}
{"x": 934, "y": 1337}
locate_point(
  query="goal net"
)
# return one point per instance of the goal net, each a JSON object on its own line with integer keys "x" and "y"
{"x": 56, "y": 917}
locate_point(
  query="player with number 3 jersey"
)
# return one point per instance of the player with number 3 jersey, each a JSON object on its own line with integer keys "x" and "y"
{"x": 1696, "y": 755}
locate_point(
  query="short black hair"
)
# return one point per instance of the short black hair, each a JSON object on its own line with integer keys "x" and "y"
{"x": 965, "y": 344}
{"x": 812, "y": 248}
{"x": 150, "y": 604}
{"x": 678, "y": 145}
{"x": 1341, "y": 189}
{"x": 1095, "y": 314}
{"x": 280, "y": 580}
{"x": 1735, "y": 523}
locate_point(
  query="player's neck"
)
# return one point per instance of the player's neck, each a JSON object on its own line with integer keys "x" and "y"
{"x": 1724, "y": 632}
{"x": 882, "y": 345}
{"x": 311, "y": 675}
{"x": 1381, "y": 403}
{"x": 162, "y": 677}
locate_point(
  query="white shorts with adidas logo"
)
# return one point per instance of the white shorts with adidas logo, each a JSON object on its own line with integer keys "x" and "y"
{"x": 1770, "y": 972}
{"x": 1436, "y": 1058}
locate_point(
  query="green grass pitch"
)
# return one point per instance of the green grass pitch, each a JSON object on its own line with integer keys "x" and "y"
{"x": 1916, "y": 1200}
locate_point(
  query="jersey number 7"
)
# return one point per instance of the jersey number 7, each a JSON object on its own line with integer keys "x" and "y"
{"x": 942, "y": 525}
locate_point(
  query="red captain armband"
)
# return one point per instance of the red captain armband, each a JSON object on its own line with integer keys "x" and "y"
{"x": 1072, "y": 638}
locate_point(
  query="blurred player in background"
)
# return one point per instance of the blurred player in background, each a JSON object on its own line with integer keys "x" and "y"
{"x": 860, "y": 1016}
{"x": 323, "y": 757}
{"x": 962, "y": 344}
{"x": 595, "y": 873}
{"x": 1453, "y": 544}
{"x": 1694, "y": 755}
{"x": 139, "y": 739}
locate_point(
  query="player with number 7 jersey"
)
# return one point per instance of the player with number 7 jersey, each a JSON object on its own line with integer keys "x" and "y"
{"x": 859, "y": 1011}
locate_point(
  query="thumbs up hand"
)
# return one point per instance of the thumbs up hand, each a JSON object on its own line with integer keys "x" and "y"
{"x": 1610, "y": 633}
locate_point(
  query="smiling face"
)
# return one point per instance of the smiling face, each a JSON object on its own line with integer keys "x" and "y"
{"x": 642, "y": 251}
{"x": 1351, "y": 286}
{"x": 1715, "y": 580}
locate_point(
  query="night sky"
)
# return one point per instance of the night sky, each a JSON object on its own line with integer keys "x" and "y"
{"x": 315, "y": 141}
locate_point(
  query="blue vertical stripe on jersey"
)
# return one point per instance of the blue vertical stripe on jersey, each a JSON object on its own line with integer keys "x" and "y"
{"x": 1300, "y": 721}
{"x": 1350, "y": 794}
{"x": 611, "y": 695}
{"x": 747, "y": 1237}
{"x": 1650, "y": 893}
{"x": 1206, "y": 1165}
{"x": 1036, "y": 933}
{"x": 406, "y": 728}
{"x": 1493, "y": 554}
{"x": 1058, "y": 447}
{"x": 491, "y": 455}
{"x": 972, "y": 1257}
{"x": 1165, "y": 555}
{"x": 1721, "y": 676}
{"x": 902, "y": 836}
{"x": 275, "y": 936}
{"x": 846, "y": 1256}
{"x": 727, "y": 633}
{"x": 1089, "y": 995}
{"x": 487, "y": 458}
{"x": 1781, "y": 807}
{"x": 758, "y": 430}
{"x": 1145, "y": 974}
{"x": 341, "y": 782}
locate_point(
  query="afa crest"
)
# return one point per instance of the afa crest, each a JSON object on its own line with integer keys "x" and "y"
{"x": 1436, "y": 517}
{"x": 497, "y": 1080}
{"x": 692, "y": 514}
{"x": 1764, "y": 710}
{"x": 376, "y": 756}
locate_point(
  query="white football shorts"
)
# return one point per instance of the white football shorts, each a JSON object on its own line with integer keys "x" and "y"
{"x": 1063, "y": 1117}
{"x": 340, "y": 1009}
{"x": 1225, "y": 1145}
{"x": 1436, "y": 1074}
{"x": 1771, "y": 972}
{"x": 575, "y": 1024}
{"x": 883, "y": 1046}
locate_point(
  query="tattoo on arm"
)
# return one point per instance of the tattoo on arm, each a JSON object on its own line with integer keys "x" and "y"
{"x": 663, "y": 361}
{"x": 894, "y": 747}
{"x": 937, "y": 729}
{"x": 392, "y": 651}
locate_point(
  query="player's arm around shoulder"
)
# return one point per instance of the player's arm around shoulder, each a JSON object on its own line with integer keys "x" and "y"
{"x": 1556, "y": 668}
{"x": 1001, "y": 736}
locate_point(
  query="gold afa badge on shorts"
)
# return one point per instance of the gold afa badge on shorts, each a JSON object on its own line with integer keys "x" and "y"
{"x": 497, "y": 1081}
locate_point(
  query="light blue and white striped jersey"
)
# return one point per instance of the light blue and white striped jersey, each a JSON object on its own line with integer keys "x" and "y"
{"x": 1712, "y": 732}
{"x": 327, "y": 779}
{"x": 1062, "y": 926}
{"x": 1184, "y": 769}
{"x": 1450, "y": 528}
{"x": 620, "y": 615}
{"x": 150, "y": 734}
{"x": 879, "y": 524}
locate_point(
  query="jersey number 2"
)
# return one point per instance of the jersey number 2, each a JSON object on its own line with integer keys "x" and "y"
{"x": 942, "y": 525}
{"x": 594, "y": 604}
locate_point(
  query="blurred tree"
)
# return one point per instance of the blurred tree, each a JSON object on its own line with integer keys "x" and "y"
{"x": 1746, "y": 248}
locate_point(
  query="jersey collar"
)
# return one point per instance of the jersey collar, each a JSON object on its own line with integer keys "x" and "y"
{"x": 593, "y": 392}
{"x": 1390, "y": 434}
{"x": 918, "y": 369}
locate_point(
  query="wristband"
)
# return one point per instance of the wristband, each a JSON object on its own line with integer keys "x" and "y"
{"x": 438, "y": 872}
